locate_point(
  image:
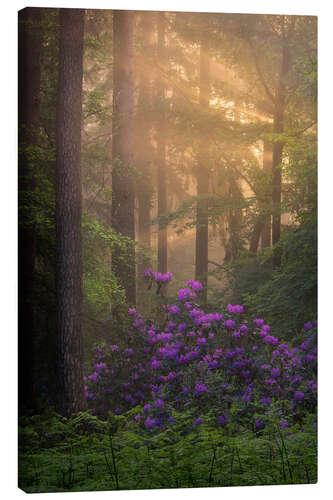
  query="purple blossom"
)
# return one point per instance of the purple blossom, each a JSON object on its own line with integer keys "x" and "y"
{"x": 150, "y": 423}
{"x": 299, "y": 396}
{"x": 174, "y": 310}
{"x": 148, "y": 273}
{"x": 199, "y": 388}
{"x": 259, "y": 322}
{"x": 275, "y": 372}
{"x": 308, "y": 326}
{"x": 196, "y": 286}
{"x": 266, "y": 401}
{"x": 222, "y": 419}
{"x": 229, "y": 323}
{"x": 259, "y": 424}
{"x": 94, "y": 377}
{"x": 159, "y": 403}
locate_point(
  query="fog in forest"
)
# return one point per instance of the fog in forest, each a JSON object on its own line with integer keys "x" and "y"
{"x": 167, "y": 213}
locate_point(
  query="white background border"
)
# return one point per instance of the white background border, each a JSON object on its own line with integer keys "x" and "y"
{"x": 8, "y": 247}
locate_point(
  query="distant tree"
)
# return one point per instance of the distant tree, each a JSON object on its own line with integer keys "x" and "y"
{"x": 162, "y": 206}
{"x": 123, "y": 189}
{"x": 144, "y": 152}
{"x": 30, "y": 39}
{"x": 70, "y": 393}
{"x": 202, "y": 172}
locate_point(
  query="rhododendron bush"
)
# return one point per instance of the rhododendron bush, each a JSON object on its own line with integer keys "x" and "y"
{"x": 222, "y": 368}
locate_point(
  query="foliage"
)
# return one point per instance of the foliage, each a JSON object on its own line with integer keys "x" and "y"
{"x": 178, "y": 408}
{"x": 88, "y": 454}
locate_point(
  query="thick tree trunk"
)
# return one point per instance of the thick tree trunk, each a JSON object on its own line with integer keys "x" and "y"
{"x": 202, "y": 175}
{"x": 123, "y": 191}
{"x": 29, "y": 123}
{"x": 162, "y": 207}
{"x": 143, "y": 144}
{"x": 70, "y": 394}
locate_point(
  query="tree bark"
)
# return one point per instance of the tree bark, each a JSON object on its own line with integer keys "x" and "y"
{"x": 29, "y": 49}
{"x": 123, "y": 191}
{"x": 202, "y": 175}
{"x": 162, "y": 207}
{"x": 70, "y": 394}
{"x": 143, "y": 129}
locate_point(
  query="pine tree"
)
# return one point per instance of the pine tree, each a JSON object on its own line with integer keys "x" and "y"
{"x": 30, "y": 39}
{"x": 70, "y": 394}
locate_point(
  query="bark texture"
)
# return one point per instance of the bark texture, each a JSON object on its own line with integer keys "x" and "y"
{"x": 29, "y": 48}
{"x": 70, "y": 393}
{"x": 123, "y": 190}
{"x": 143, "y": 135}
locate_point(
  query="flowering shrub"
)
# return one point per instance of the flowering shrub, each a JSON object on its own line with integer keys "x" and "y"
{"x": 216, "y": 366}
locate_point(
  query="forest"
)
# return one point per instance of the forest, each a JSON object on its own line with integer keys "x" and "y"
{"x": 167, "y": 249}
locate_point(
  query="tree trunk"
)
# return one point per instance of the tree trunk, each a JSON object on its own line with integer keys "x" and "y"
{"x": 278, "y": 146}
{"x": 143, "y": 144}
{"x": 267, "y": 167}
{"x": 29, "y": 123}
{"x": 70, "y": 392}
{"x": 162, "y": 248}
{"x": 202, "y": 175}
{"x": 123, "y": 193}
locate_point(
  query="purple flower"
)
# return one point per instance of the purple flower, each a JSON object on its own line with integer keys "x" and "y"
{"x": 196, "y": 286}
{"x": 308, "y": 326}
{"x": 275, "y": 372}
{"x": 200, "y": 388}
{"x": 94, "y": 377}
{"x": 148, "y": 273}
{"x": 266, "y": 401}
{"x": 201, "y": 340}
{"x": 146, "y": 407}
{"x": 100, "y": 367}
{"x": 269, "y": 339}
{"x": 283, "y": 424}
{"x": 150, "y": 423}
{"x": 174, "y": 310}
{"x": 259, "y": 322}
{"x": 159, "y": 403}
{"x": 229, "y": 323}
{"x": 299, "y": 396}
{"x": 131, "y": 311}
{"x": 155, "y": 364}
{"x": 198, "y": 421}
{"x": 259, "y": 424}
{"x": 222, "y": 419}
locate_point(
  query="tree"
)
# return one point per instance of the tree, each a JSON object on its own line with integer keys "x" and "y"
{"x": 202, "y": 173}
{"x": 70, "y": 394}
{"x": 29, "y": 125}
{"x": 143, "y": 133}
{"x": 123, "y": 191}
{"x": 162, "y": 207}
